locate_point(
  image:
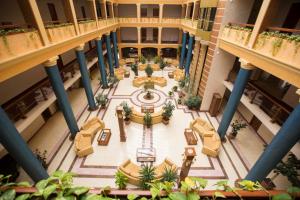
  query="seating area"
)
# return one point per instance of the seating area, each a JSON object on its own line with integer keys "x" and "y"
{"x": 120, "y": 72}
{"x": 178, "y": 74}
{"x": 138, "y": 117}
{"x": 211, "y": 139}
{"x": 142, "y": 67}
{"x": 131, "y": 170}
{"x": 83, "y": 139}
{"x": 139, "y": 81}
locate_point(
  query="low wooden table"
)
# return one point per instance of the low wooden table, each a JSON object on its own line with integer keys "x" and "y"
{"x": 190, "y": 136}
{"x": 104, "y": 137}
{"x": 145, "y": 155}
{"x": 147, "y": 108}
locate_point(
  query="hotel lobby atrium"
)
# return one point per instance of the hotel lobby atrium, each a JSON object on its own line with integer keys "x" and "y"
{"x": 135, "y": 95}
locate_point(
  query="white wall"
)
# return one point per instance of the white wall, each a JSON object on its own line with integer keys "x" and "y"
{"x": 11, "y": 12}
{"x": 128, "y": 33}
{"x": 127, "y": 10}
{"x": 42, "y": 4}
{"x": 235, "y": 11}
{"x": 170, "y": 34}
{"x": 172, "y": 11}
{"x": 290, "y": 97}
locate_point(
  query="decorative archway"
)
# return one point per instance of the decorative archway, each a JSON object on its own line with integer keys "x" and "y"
{"x": 169, "y": 52}
{"x": 149, "y": 52}
{"x": 129, "y": 52}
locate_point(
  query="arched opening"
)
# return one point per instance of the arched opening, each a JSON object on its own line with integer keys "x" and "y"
{"x": 169, "y": 52}
{"x": 149, "y": 52}
{"x": 129, "y": 52}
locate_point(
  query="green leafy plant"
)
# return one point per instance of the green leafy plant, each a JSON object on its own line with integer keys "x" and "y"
{"x": 148, "y": 119}
{"x": 193, "y": 102}
{"x": 149, "y": 70}
{"x": 169, "y": 175}
{"x": 236, "y": 126}
{"x": 290, "y": 169}
{"x": 157, "y": 59}
{"x": 58, "y": 25}
{"x": 179, "y": 101}
{"x": 250, "y": 185}
{"x": 175, "y": 88}
{"x": 121, "y": 180}
{"x": 142, "y": 59}
{"x": 127, "y": 110}
{"x": 170, "y": 93}
{"x": 112, "y": 80}
{"x": 162, "y": 64}
{"x": 102, "y": 100}
{"x": 181, "y": 83}
{"x": 147, "y": 175}
{"x": 168, "y": 109}
{"x": 41, "y": 157}
{"x": 134, "y": 68}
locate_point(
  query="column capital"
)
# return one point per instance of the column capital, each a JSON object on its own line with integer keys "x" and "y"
{"x": 107, "y": 34}
{"x": 99, "y": 37}
{"x": 192, "y": 35}
{"x": 51, "y": 61}
{"x": 80, "y": 47}
{"x": 204, "y": 42}
{"x": 246, "y": 65}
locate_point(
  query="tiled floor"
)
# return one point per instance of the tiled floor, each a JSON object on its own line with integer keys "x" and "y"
{"x": 96, "y": 170}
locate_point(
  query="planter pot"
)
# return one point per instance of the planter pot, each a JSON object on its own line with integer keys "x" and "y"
{"x": 240, "y": 37}
{"x": 58, "y": 34}
{"x": 102, "y": 107}
{"x": 268, "y": 184}
{"x": 165, "y": 121}
{"x": 127, "y": 121}
{"x": 19, "y": 43}
{"x": 232, "y": 136}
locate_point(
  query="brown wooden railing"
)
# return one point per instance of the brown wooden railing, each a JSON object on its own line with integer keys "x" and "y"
{"x": 241, "y": 24}
{"x": 204, "y": 193}
{"x": 284, "y": 30}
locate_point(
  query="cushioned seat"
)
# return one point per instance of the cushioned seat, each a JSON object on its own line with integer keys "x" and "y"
{"x": 211, "y": 145}
{"x": 166, "y": 164}
{"x": 83, "y": 145}
{"x": 201, "y": 126}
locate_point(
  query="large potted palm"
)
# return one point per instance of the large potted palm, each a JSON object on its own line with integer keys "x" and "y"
{"x": 127, "y": 112}
{"x": 168, "y": 109}
{"x": 149, "y": 70}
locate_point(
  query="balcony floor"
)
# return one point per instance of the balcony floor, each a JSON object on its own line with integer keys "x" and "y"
{"x": 98, "y": 169}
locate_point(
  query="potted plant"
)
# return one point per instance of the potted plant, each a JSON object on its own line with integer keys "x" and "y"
{"x": 142, "y": 59}
{"x": 193, "y": 102}
{"x": 236, "y": 126}
{"x": 168, "y": 109}
{"x": 290, "y": 169}
{"x": 41, "y": 157}
{"x": 102, "y": 100}
{"x": 147, "y": 175}
{"x": 169, "y": 175}
{"x": 170, "y": 93}
{"x": 121, "y": 180}
{"x": 112, "y": 80}
{"x": 127, "y": 112}
{"x": 162, "y": 65}
{"x": 175, "y": 88}
{"x": 157, "y": 59}
{"x": 179, "y": 101}
{"x": 181, "y": 83}
{"x": 148, "y": 119}
{"x": 149, "y": 70}
{"x": 134, "y": 68}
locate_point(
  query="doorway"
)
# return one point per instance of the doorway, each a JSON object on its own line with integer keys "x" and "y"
{"x": 52, "y": 11}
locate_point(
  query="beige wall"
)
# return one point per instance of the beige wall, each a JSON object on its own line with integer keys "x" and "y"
{"x": 170, "y": 34}
{"x": 172, "y": 11}
{"x": 235, "y": 11}
{"x": 127, "y": 10}
{"x": 128, "y": 33}
{"x": 11, "y": 12}
{"x": 42, "y": 4}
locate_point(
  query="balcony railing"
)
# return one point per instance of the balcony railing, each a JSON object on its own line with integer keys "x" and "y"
{"x": 128, "y": 20}
{"x": 280, "y": 44}
{"x": 171, "y": 20}
{"x": 149, "y": 20}
{"x": 86, "y": 26}
{"x": 237, "y": 33}
{"x": 189, "y": 23}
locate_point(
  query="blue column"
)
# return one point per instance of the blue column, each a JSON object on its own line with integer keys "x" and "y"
{"x": 285, "y": 139}
{"x": 234, "y": 99}
{"x": 101, "y": 63}
{"x": 115, "y": 43}
{"x": 109, "y": 56}
{"x": 86, "y": 79}
{"x": 182, "y": 56}
{"x": 12, "y": 141}
{"x": 189, "y": 55}
{"x": 62, "y": 98}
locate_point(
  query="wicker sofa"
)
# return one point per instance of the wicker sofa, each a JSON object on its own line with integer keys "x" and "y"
{"x": 211, "y": 139}
{"x": 138, "y": 117}
{"x": 139, "y": 81}
{"x": 132, "y": 171}
{"x": 83, "y": 139}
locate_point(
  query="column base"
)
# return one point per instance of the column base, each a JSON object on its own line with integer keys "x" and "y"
{"x": 104, "y": 87}
{"x": 224, "y": 140}
{"x": 93, "y": 109}
{"x": 72, "y": 137}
